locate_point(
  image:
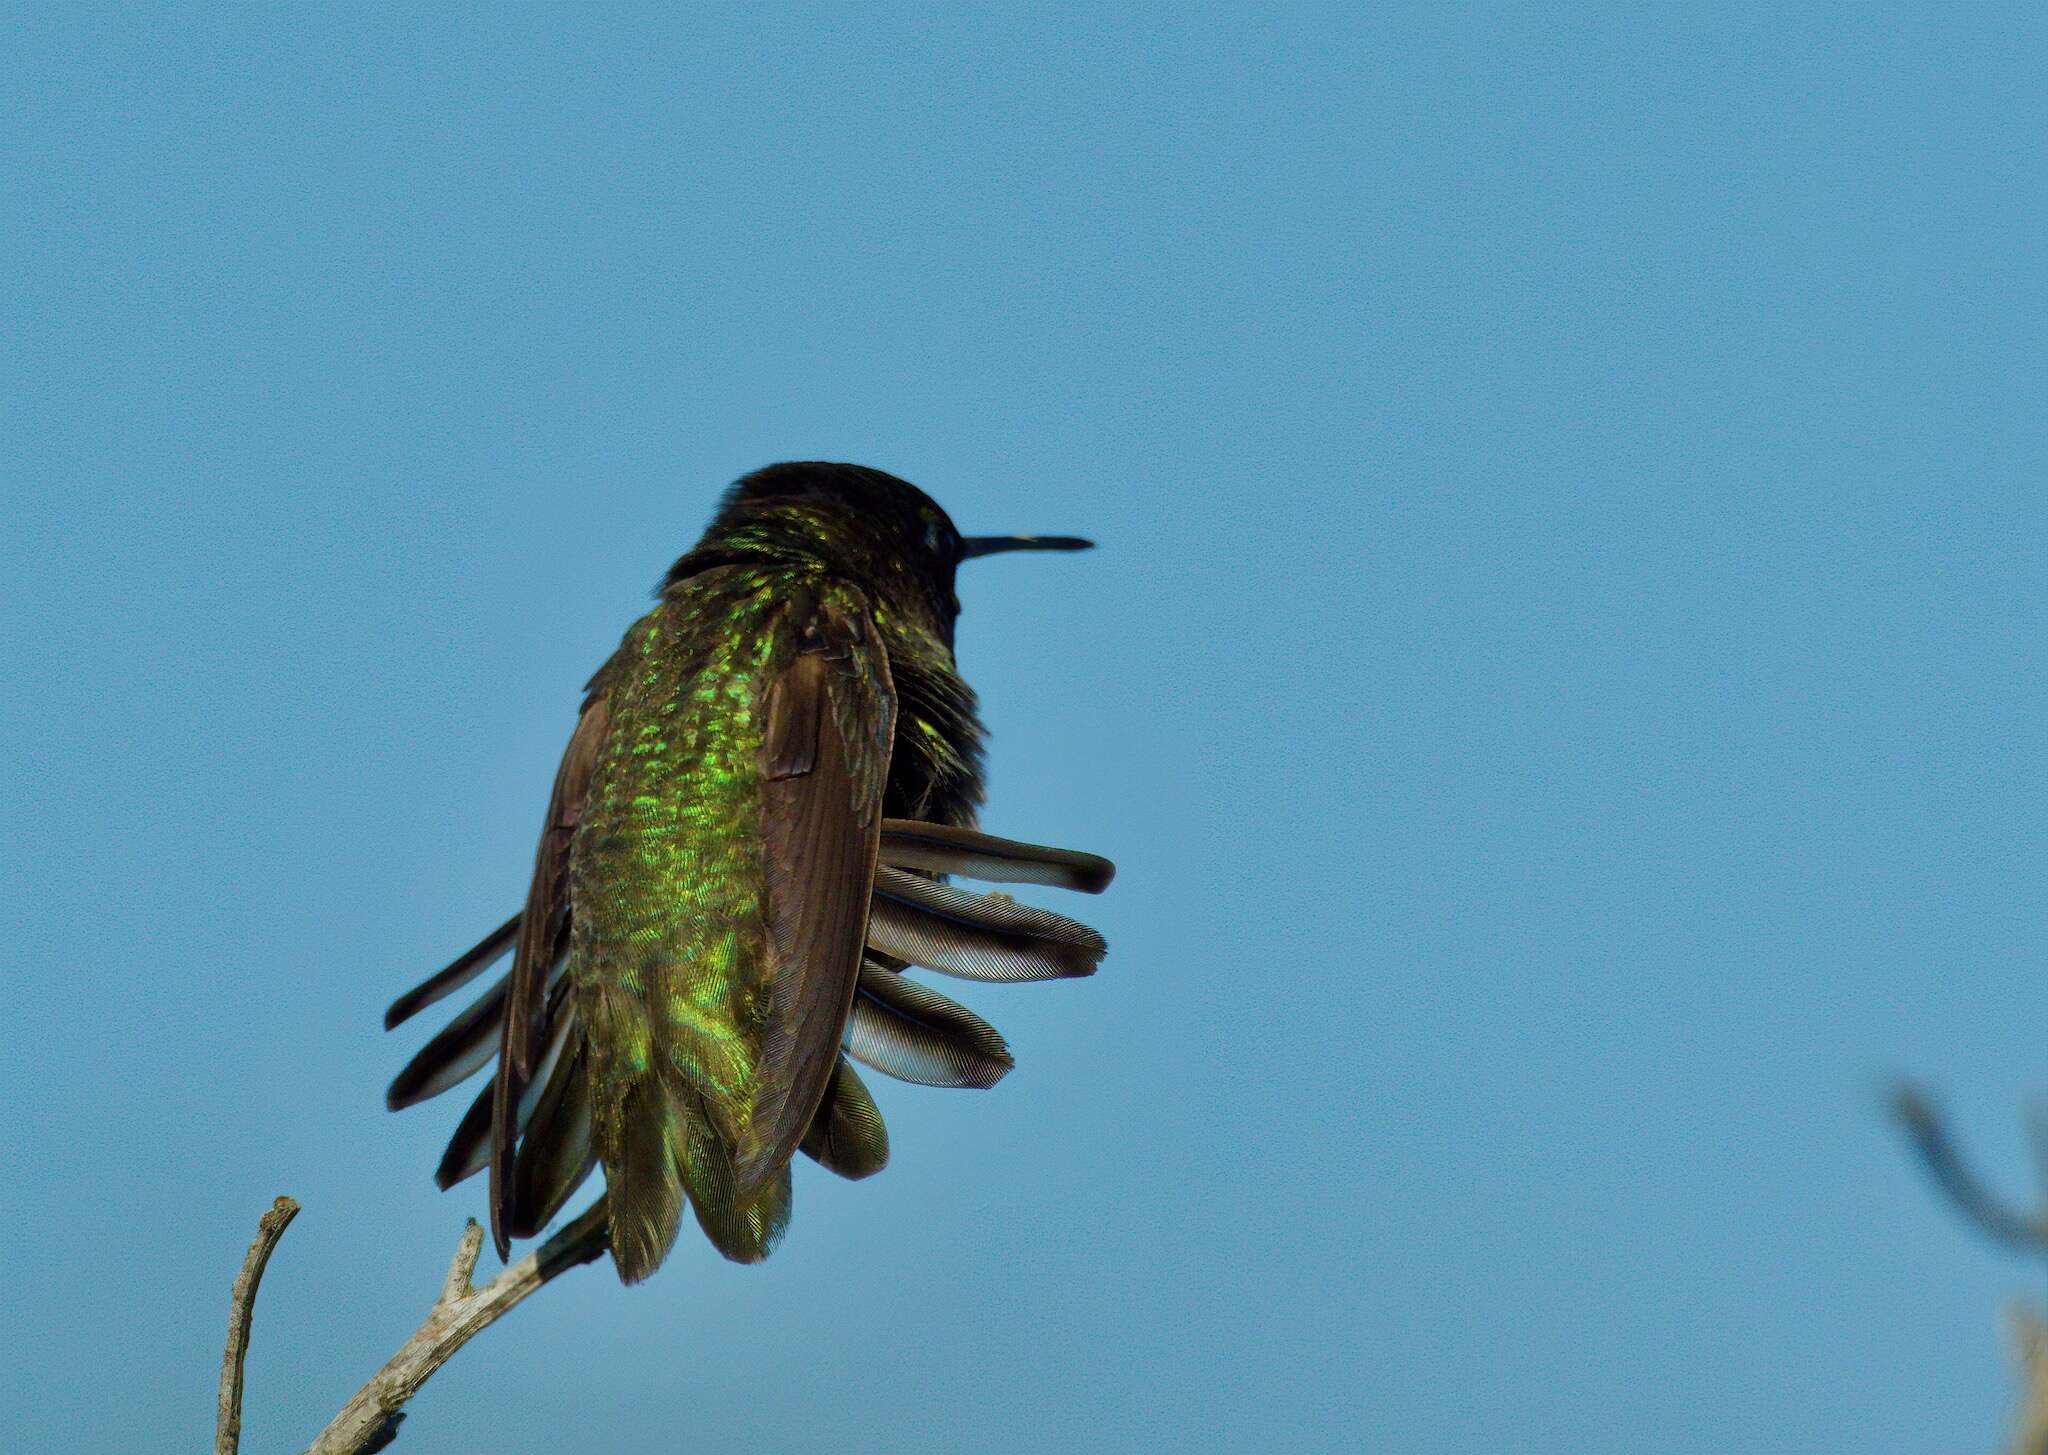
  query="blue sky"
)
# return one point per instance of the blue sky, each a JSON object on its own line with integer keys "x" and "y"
{"x": 1560, "y": 680}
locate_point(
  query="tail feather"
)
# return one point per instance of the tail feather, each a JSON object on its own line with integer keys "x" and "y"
{"x": 847, "y": 1136}
{"x": 976, "y": 936}
{"x": 745, "y": 1228}
{"x": 909, "y": 1031}
{"x": 659, "y": 1151}
{"x": 555, "y": 1153}
{"x": 941, "y": 849}
{"x": 469, "y": 1150}
{"x": 636, "y": 1141}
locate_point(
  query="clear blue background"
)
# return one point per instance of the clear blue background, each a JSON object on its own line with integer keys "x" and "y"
{"x": 1561, "y": 679}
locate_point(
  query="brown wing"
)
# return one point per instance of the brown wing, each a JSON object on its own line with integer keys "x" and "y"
{"x": 824, "y": 758}
{"x": 543, "y": 938}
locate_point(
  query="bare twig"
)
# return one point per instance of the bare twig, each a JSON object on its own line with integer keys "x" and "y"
{"x": 1937, "y": 1151}
{"x": 369, "y": 1421}
{"x": 227, "y": 1430}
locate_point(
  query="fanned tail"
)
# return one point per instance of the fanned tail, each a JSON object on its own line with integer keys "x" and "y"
{"x": 666, "y": 1149}
{"x": 659, "y": 1151}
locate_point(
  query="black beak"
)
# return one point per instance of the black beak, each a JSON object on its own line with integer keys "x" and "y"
{"x": 972, "y": 546}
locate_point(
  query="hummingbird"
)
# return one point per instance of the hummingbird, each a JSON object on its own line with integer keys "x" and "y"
{"x": 746, "y": 851}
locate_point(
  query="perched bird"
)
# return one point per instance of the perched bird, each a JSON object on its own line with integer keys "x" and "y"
{"x": 744, "y": 851}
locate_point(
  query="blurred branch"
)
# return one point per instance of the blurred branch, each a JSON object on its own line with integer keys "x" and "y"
{"x": 1930, "y": 1137}
{"x": 461, "y": 1311}
{"x": 227, "y": 1430}
{"x": 1929, "y": 1134}
{"x": 2037, "y": 1138}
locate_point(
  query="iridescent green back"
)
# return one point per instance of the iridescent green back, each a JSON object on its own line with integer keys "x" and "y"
{"x": 668, "y": 946}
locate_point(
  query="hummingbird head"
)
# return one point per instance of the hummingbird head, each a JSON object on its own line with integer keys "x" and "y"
{"x": 884, "y": 534}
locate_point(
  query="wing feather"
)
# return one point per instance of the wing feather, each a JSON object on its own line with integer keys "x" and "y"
{"x": 473, "y": 963}
{"x": 455, "y": 1053}
{"x": 943, "y": 849}
{"x": 976, "y": 936}
{"x": 910, "y": 1031}
{"x": 543, "y": 937}
{"x": 828, "y": 721}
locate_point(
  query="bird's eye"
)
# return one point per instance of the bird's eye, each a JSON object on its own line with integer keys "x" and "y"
{"x": 934, "y": 536}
